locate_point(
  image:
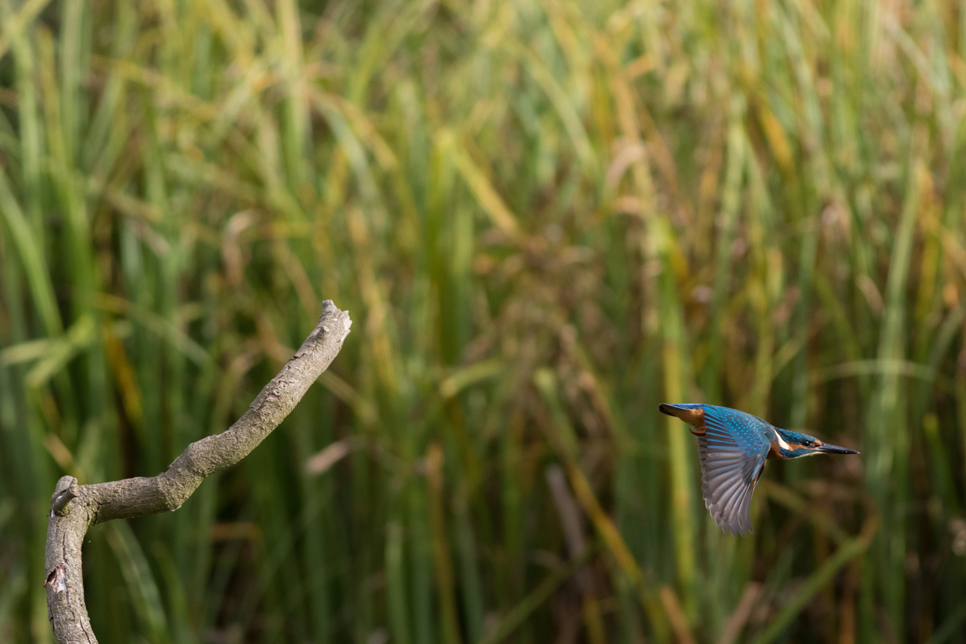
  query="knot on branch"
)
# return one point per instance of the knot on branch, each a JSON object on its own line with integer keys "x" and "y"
{"x": 57, "y": 579}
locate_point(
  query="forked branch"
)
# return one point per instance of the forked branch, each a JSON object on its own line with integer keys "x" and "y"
{"x": 75, "y": 508}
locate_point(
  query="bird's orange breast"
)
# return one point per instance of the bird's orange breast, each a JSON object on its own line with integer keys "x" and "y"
{"x": 693, "y": 417}
{"x": 774, "y": 451}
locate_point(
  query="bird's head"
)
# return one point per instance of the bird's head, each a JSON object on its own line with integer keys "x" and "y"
{"x": 796, "y": 444}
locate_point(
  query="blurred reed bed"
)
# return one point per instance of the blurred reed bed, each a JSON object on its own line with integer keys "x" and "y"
{"x": 545, "y": 218}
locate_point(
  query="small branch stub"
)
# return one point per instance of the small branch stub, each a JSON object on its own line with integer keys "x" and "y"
{"x": 75, "y": 508}
{"x": 65, "y": 492}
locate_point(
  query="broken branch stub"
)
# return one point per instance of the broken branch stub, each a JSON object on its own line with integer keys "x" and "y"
{"x": 75, "y": 508}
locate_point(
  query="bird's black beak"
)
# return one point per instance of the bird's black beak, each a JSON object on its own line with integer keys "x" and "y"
{"x": 825, "y": 448}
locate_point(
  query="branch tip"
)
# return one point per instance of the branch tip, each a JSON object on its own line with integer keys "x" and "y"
{"x": 65, "y": 492}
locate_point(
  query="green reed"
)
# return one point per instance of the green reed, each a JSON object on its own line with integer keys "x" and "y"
{"x": 545, "y": 218}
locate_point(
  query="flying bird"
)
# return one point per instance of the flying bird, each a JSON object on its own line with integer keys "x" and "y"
{"x": 733, "y": 447}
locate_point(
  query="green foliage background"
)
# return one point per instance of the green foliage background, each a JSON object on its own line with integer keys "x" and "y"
{"x": 545, "y": 217}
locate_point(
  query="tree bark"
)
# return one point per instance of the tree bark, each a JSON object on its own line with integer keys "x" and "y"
{"x": 75, "y": 508}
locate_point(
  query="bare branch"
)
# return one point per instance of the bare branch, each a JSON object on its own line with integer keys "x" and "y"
{"x": 74, "y": 508}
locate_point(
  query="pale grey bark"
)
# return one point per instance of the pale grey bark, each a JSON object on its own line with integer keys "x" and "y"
{"x": 75, "y": 508}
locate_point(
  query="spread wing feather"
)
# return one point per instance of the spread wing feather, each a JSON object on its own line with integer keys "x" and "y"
{"x": 732, "y": 452}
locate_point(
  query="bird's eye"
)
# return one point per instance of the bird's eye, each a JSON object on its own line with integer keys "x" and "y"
{"x": 806, "y": 443}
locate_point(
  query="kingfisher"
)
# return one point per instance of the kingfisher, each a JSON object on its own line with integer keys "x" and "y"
{"x": 733, "y": 447}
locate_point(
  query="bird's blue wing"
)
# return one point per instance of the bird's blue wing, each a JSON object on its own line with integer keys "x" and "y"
{"x": 732, "y": 449}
